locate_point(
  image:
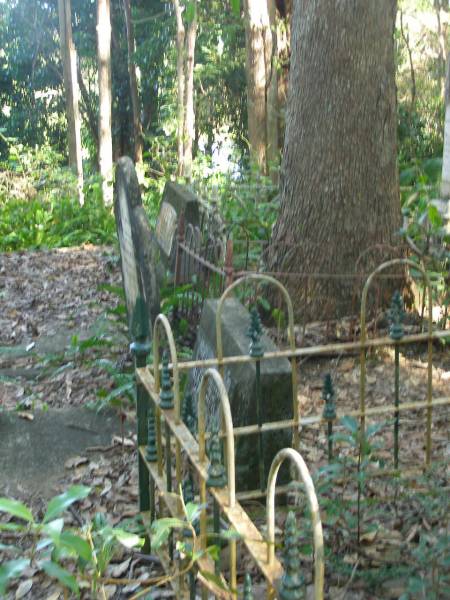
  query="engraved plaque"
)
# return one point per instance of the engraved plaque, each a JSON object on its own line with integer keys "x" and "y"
{"x": 166, "y": 227}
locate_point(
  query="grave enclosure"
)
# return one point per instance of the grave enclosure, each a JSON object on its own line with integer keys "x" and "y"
{"x": 173, "y": 439}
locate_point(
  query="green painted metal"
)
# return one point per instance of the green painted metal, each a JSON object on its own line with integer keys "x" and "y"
{"x": 329, "y": 411}
{"x": 217, "y": 475}
{"x": 396, "y": 332}
{"x": 187, "y": 413}
{"x": 292, "y": 585}
{"x": 248, "y": 587}
{"x": 140, "y": 348}
{"x": 151, "y": 453}
{"x": 256, "y": 351}
{"x": 396, "y": 317}
{"x": 166, "y": 395}
{"x": 216, "y": 526}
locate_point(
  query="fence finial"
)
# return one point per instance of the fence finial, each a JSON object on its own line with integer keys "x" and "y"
{"x": 396, "y": 317}
{"x": 292, "y": 582}
{"x": 166, "y": 395}
{"x": 248, "y": 588}
{"x": 217, "y": 476}
{"x": 151, "y": 453}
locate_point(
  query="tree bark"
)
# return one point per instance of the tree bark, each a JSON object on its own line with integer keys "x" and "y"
{"x": 105, "y": 99}
{"x": 135, "y": 103}
{"x": 189, "y": 113}
{"x": 180, "y": 84}
{"x": 69, "y": 61}
{"x": 339, "y": 189}
{"x": 272, "y": 151}
{"x": 445, "y": 182}
{"x": 257, "y": 39}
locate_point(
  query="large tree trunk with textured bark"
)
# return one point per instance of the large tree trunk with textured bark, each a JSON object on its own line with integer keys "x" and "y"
{"x": 105, "y": 97}
{"x": 339, "y": 189}
{"x": 135, "y": 103}
{"x": 69, "y": 62}
{"x": 258, "y": 41}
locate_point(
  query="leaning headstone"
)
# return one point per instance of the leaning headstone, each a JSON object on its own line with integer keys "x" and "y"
{"x": 176, "y": 200}
{"x": 136, "y": 250}
{"x": 240, "y": 381}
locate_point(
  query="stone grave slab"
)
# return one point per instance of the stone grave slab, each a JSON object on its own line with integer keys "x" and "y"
{"x": 33, "y": 453}
{"x": 177, "y": 199}
{"x": 137, "y": 248}
{"x": 276, "y": 387}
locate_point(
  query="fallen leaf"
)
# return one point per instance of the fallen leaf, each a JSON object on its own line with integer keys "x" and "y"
{"x": 25, "y": 415}
{"x": 75, "y": 461}
{"x": 121, "y": 568}
{"x": 24, "y": 588}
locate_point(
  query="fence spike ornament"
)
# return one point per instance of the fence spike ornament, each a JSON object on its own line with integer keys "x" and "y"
{"x": 396, "y": 317}
{"x": 255, "y": 333}
{"x": 217, "y": 476}
{"x": 188, "y": 413}
{"x": 151, "y": 453}
{"x": 292, "y": 583}
{"x": 248, "y": 587}
{"x": 166, "y": 395}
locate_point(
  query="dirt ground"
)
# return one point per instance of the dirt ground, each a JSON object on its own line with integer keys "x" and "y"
{"x": 50, "y": 298}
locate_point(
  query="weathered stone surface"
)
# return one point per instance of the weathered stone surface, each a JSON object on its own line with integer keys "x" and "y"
{"x": 276, "y": 386}
{"x": 33, "y": 453}
{"x": 176, "y": 200}
{"x": 137, "y": 249}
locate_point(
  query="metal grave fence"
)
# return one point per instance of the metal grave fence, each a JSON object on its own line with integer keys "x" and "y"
{"x": 170, "y": 455}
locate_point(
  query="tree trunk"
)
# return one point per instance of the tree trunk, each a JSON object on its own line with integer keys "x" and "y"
{"x": 339, "y": 190}
{"x": 272, "y": 154}
{"x": 180, "y": 84}
{"x": 189, "y": 114}
{"x": 257, "y": 39}
{"x": 137, "y": 127}
{"x": 445, "y": 183}
{"x": 105, "y": 101}
{"x": 69, "y": 61}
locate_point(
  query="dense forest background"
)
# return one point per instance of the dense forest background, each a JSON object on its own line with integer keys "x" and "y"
{"x": 196, "y": 68}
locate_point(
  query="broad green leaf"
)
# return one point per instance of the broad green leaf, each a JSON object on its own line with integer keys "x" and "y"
{"x": 59, "y": 503}
{"x": 77, "y": 544}
{"x": 63, "y": 576}
{"x": 16, "y": 509}
{"x": 54, "y": 528}
{"x": 193, "y": 511}
{"x": 11, "y": 569}
{"x": 236, "y": 7}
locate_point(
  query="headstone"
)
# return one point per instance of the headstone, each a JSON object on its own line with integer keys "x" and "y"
{"x": 176, "y": 200}
{"x": 276, "y": 387}
{"x": 136, "y": 250}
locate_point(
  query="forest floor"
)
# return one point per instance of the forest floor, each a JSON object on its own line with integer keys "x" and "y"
{"x": 59, "y": 316}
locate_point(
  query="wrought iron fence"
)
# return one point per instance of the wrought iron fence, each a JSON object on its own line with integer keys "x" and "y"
{"x": 162, "y": 434}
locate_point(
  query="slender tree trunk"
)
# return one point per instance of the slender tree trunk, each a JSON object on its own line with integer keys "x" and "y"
{"x": 105, "y": 100}
{"x": 189, "y": 114}
{"x": 180, "y": 84}
{"x": 69, "y": 60}
{"x": 135, "y": 103}
{"x": 339, "y": 190}
{"x": 441, "y": 45}
{"x": 272, "y": 153}
{"x": 257, "y": 37}
{"x": 445, "y": 183}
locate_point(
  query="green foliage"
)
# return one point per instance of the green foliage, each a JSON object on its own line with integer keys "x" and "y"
{"x": 63, "y": 553}
{"x": 39, "y": 206}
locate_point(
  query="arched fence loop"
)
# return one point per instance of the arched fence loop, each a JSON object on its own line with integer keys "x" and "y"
{"x": 213, "y": 376}
{"x": 162, "y": 320}
{"x": 291, "y": 336}
{"x": 319, "y": 561}
{"x": 363, "y": 339}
